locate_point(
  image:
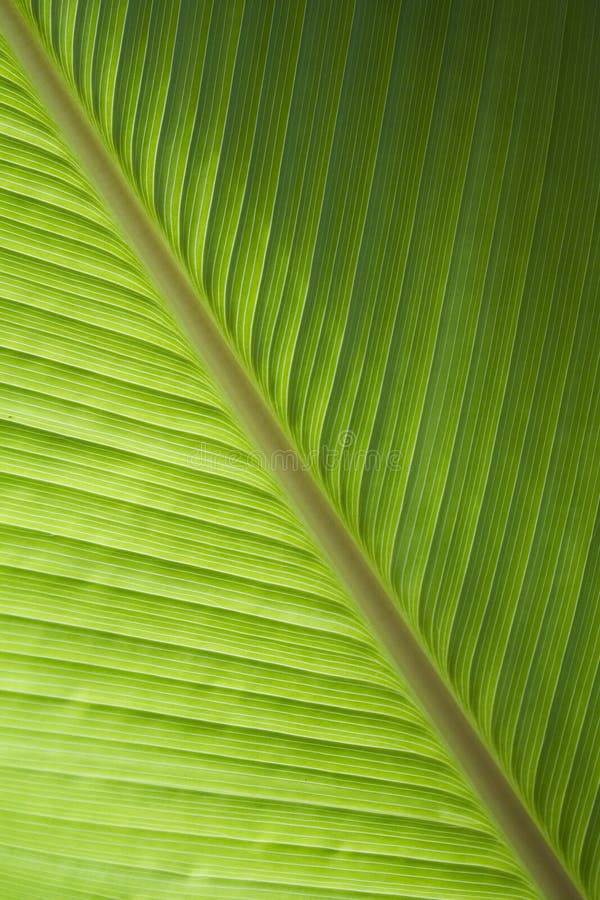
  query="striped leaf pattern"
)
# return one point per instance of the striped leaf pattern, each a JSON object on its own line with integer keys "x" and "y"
{"x": 392, "y": 210}
{"x": 191, "y": 705}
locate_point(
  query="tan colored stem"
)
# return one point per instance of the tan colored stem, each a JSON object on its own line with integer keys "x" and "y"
{"x": 345, "y": 555}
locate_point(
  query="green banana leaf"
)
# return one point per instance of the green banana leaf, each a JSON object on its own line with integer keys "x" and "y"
{"x": 390, "y": 210}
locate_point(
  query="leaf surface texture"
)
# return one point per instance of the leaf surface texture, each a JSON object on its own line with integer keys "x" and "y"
{"x": 392, "y": 211}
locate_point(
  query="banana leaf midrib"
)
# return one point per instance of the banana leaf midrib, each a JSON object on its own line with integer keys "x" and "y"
{"x": 348, "y": 560}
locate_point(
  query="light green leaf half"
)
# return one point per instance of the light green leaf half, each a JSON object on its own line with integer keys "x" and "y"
{"x": 391, "y": 210}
